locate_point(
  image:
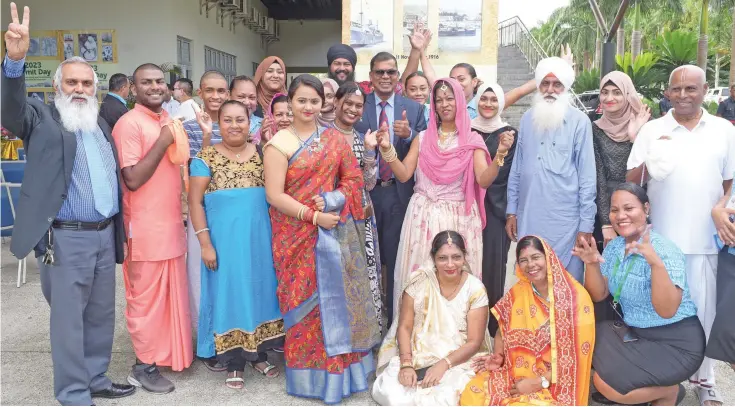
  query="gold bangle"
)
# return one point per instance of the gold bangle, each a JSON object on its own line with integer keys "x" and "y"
{"x": 316, "y": 217}
{"x": 446, "y": 359}
{"x": 390, "y": 155}
{"x": 607, "y": 227}
{"x": 406, "y": 365}
{"x": 300, "y": 215}
{"x": 500, "y": 159}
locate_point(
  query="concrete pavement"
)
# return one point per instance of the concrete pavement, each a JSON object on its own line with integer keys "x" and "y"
{"x": 26, "y": 371}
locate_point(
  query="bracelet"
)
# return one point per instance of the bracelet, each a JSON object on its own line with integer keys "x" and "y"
{"x": 510, "y": 215}
{"x": 446, "y": 359}
{"x": 499, "y": 160}
{"x": 316, "y": 217}
{"x": 406, "y": 365}
{"x": 308, "y": 215}
{"x": 390, "y": 155}
{"x": 200, "y": 231}
{"x": 607, "y": 227}
{"x": 300, "y": 215}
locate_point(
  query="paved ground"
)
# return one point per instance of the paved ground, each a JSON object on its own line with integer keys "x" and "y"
{"x": 27, "y": 379}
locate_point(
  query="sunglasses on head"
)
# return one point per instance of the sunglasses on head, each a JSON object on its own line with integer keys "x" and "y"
{"x": 389, "y": 72}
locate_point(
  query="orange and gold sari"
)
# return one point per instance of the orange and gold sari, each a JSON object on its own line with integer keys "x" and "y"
{"x": 538, "y": 336}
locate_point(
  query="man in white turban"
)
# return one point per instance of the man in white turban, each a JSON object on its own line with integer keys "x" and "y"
{"x": 551, "y": 190}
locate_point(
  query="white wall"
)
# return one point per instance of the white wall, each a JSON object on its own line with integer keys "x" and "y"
{"x": 305, "y": 44}
{"x": 146, "y": 29}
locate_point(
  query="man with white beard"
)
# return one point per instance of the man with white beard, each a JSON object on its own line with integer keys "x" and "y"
{"x": 551, "y": 189}
{"x": 69, "y": 212}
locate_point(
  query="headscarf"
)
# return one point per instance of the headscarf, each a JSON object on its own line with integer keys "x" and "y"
{"x": 341, "y": 51}
{"x": 326, "y": 119}
{"x": 265, "y": 95}
{"x": 443, "y": 167}
{"x": 557, "y": 66}
{"x": 615, "y": 125}
{"x": 572, "y": 336}
{"x": 490, "y": 125}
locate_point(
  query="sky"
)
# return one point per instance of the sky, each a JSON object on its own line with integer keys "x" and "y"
{"x": 530, "y": 11}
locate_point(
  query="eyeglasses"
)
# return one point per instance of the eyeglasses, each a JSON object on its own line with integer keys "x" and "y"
{"x": 389, "y": 72}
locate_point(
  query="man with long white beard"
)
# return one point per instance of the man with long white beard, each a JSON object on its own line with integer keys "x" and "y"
{"x": 69, "y": 212}
{"x": 552, "y": 184}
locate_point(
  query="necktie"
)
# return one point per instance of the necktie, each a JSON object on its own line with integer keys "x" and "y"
{"x": 384, "y": 170}
{"x": 101, "y": 186}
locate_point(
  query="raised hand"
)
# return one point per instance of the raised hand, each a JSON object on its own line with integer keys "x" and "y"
{"x": 635, "y": 122}
{"x": 401, "y": 128}
{"x": 384, "y": 137}
{"x": 506, "y": 141}
{"x": 427, "y": 38}
{"x": 416, "y": 38}
{"x": 587, "y": 251}
{"x": 17, "y": 38}
{"x": 371, "y": 140}
{"x": 643, "y": 246}
{"x": 566, "y": 54}
{"x": 205, "y": 121}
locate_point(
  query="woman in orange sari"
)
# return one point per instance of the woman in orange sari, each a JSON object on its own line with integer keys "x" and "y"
{"x": 543, "y": 347}
{"x": 314, "y": 183}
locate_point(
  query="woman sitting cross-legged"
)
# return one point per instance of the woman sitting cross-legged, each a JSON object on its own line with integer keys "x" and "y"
{"x": 658, "y": 342}
{"x": 543, "y": 347}
{"x": 425, "y": 358}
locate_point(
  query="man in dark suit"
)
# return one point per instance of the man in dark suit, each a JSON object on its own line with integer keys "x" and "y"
{"x": 69, "y": 211}
{"x": 113, "y": 105}
{"x": 404, "y": 119}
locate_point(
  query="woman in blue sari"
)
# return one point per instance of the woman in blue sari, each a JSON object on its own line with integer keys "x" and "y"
{"x": 239, "y": 316}
{"x": 314, "y": 184}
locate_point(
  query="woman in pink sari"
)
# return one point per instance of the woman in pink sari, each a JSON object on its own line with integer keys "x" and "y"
{"x": 453, "y": 169}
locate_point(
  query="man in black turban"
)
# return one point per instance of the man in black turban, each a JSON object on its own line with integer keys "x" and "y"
{"x": 342, "y": 60}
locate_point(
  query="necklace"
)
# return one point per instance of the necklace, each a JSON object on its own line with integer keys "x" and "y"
{"x": 455, "y": 287}
{"x": 444, "y": 136}
{"x": 298, "y": 138}
{"x": 237, "y": 155}
{"x": 343, "y": 131}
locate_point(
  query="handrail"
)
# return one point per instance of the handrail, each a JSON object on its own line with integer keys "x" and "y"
{"x": 514, "y": 32}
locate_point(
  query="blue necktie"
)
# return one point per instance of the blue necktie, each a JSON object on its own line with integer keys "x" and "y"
{"x": 101, "y": 186}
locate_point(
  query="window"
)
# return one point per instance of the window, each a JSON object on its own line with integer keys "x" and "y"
{"x": 183, "y": 56}
{"x": 220, "y": 61}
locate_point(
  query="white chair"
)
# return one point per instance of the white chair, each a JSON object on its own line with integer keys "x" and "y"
{"x": 10, "y": 194}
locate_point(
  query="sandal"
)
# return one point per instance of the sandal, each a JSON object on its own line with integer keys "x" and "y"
{"x": 235, "y": 382}
{"x": 213, "y": 365}
{"x": 270, "y": 370}
{"x": 711, "y": 395}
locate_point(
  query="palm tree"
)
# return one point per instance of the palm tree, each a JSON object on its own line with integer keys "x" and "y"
{"x": 647, "y": 8}
{"x": 702, "y": 48}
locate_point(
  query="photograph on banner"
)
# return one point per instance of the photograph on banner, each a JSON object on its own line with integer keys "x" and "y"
{"x": 95, "y": 46}
{"x": 460, "y": 25}
{"x": 371, "y": 25}
{"x": 414, "y": 12}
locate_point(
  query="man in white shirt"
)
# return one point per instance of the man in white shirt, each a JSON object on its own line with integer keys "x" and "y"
{"x": 169, "y": 103}
{"x": 688, "y": 159}
{"x": 183, "y": 91}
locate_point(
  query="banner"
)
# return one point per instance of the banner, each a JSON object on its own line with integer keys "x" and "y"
{"x": 463, "y": 31}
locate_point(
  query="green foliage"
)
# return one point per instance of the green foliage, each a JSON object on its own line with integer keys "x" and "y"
{"x": 711, "y": 107}
{"x": 648, "y": 80}
{"x": 676, "y": 48}
{"x": 655, "y": 109}
{"x": 587, "y": 80}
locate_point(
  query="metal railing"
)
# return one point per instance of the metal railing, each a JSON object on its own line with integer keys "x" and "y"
{"x": 512, "y": 32}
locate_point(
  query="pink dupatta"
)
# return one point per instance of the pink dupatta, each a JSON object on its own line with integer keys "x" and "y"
{"x": 257, "y": 137}
{"x": 443, "y": 167}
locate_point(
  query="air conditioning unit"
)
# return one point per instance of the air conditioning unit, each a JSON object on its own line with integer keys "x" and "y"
{"x": 262, "y": 26}
{"x": 274, "y": 29}
{"x": 253, "y": 17}
{"x": 230, "y": 4}
{"x": 242, "y": 11}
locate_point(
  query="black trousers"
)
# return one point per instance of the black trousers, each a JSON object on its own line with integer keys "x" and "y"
{"x": 389, "y": 214}
{"x": 235, "y": 359}
{"x": 495, "y": 246}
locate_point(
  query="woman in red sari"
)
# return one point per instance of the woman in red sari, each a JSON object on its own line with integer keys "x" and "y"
{"x": 313, "y": 183}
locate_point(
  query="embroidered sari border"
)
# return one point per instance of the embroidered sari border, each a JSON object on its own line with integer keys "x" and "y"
{"x": 330, "y": 387}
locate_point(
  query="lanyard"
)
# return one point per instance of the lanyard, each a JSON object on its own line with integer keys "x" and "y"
{"x": 616, "y": 295}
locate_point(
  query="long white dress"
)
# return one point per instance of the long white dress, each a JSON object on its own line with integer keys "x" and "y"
{"x": 440, "y": 328}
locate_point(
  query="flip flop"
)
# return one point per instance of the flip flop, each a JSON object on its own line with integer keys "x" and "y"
{"x": 235, "y": 383}
{"x": 268, "y": 368}
{"x": 708, "y": 395}
{"x": 213, "y": 365}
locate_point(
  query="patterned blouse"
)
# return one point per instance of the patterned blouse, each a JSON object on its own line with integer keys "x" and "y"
{"x": 611, "y": 160}
{"x": 635, "y": 297}
{"x": 226, "y": 173}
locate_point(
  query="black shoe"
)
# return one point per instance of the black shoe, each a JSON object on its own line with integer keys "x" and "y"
{"x": 115, "y": 391}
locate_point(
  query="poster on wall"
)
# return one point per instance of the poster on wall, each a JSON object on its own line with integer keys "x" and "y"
{"x": 462, "y": 31}
{"x": 48, "y": 48}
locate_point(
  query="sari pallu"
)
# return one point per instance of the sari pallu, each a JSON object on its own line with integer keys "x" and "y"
{"x": 323, "y": 288}
{"x": 537, "y": 336}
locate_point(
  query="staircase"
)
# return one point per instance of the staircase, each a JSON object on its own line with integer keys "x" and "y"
{"x": 518, "y": 55}
{"x": 513, "y": 71}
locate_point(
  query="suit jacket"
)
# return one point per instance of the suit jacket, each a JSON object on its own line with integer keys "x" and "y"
{"x": 112, "y": 110}
{"x": 415, "y": 116}
{"x": 50, "y": 152}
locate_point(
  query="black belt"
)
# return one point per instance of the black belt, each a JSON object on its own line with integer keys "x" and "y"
{"x": 70, "y": 225}
{"x": 388, "y": 183}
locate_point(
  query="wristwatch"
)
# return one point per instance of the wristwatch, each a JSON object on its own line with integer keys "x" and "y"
{"x": 545, "y": 382}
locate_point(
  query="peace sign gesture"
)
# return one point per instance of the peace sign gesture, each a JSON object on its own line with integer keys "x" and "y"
{"x": 643, "y": 246}
{"x": 17, "y": 38}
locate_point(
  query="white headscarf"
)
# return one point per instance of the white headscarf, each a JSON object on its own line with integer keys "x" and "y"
{"x": 557, "y": 66}
{"x": 496, "y": 122}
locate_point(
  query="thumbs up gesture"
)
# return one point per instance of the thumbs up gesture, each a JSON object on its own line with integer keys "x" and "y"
{"x": 17, "y": 38}
{"x": 401, "y": 128}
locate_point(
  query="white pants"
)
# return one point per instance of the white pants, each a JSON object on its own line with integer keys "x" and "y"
{"x": 701, "y": 279}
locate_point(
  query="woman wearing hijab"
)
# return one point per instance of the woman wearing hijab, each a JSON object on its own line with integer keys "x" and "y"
{"x": 495, "y": 241}
{"x": 270, "y": 79}
{"x": 623, "y": 114}
{"x": 453, "y": 168}
{"x": 327, "y": 115}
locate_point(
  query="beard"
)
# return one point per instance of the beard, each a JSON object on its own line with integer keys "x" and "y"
{"x": 549, "y": 115}
{"x": 77, "y": 116}
{"x": 333, "y": 75}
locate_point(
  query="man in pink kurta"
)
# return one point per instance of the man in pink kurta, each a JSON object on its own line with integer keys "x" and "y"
{"x": 156, "y": 290}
